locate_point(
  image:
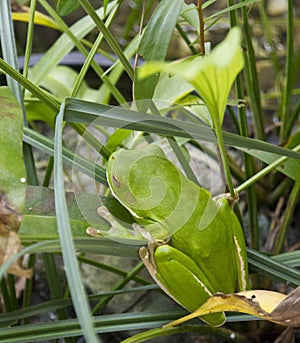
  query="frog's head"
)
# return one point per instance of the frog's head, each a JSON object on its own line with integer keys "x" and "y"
{"x": 118, "y": 174}
{"x": 136, "y": 178}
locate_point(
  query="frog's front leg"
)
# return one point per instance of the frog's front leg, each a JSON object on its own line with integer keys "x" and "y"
{"x": 180, "y": 278}
{"x": 117, "y": 230}
{"x": 153, "y": 232}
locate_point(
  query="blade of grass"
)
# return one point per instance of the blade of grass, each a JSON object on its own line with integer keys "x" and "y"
{"x": 287, "y": 217}
{"x": 78, "y": 294}
{"x": 261, "y": 263}
{"x": 41, "y": 94}
{"x": 54, "y": 282}
{"x": 6, "y": 296}
{"x": 80, "y": 163}
{"x": 48, "y": 259}
{"x": 58, "y": 304}
{"x": 292, "y": 258}
{"x": 276, "y": 270}
{"x": 231, "y": 8}
{"x": 28, "y": 288}
{"x": 108, "y": 36}
{"x": 63, "y": 46}
{"x": 108, "y": 323}
{"x": 12, "y": 292}
{"x": 29, "y": 39}
{"x": 86, "y": 112}
{"x": 285, "y": 108}
{"x": 251, "y": 77}
{"x": 90, "y": 56}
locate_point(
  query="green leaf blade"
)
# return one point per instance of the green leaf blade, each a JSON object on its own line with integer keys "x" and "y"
{"x": 155, "y": 42}
{"x": 212, "y": 75}
{"x": 12, "y": 169}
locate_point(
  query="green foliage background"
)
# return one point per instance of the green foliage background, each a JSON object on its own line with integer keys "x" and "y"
{"x": 60, "y": 97}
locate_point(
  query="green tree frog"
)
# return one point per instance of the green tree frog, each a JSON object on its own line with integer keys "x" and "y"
{"x": 196, "y": 245}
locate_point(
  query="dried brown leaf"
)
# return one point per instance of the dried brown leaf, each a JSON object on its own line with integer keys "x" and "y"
{"x": 10, "y": 243}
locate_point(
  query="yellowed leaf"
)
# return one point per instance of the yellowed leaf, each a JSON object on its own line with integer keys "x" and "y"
{"x": 22, "y": 14}
{"x": 272, "y": 306}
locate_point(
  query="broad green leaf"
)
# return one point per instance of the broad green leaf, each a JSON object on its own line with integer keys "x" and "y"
{"x": 60, "y": 82}
{"x": 155, "y": 42}
{"x": 170, "y": 88}
{"x": 12, "y": 170}
{"x": 212, "y": 76}
{"x": 12, "y": 180}
{"x": 36, "y": 110}
{"x": 190, "y": 14}
{"x": 201, "y": 112}
{"x": 157, "y": 35}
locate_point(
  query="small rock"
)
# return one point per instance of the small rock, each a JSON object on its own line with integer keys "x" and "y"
{"x": 277, "y": 7}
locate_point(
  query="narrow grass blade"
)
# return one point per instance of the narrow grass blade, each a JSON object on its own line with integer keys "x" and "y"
{"x": 67, "y": 244}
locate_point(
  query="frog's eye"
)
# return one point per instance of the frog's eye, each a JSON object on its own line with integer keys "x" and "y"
{"x": 115, "y": 181}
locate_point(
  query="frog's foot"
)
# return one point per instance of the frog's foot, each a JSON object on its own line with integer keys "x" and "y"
{"x": 91, "y": 231}
{"x": 233, "y": 200}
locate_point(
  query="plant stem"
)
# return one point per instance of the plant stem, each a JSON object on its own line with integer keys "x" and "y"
{"x": 201, "y": 29}
{"x": 289, "y": 211}
{"x": 224, "y": 158}
{"x": 185, "y": 37}
{"x": 27, "y": 293}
